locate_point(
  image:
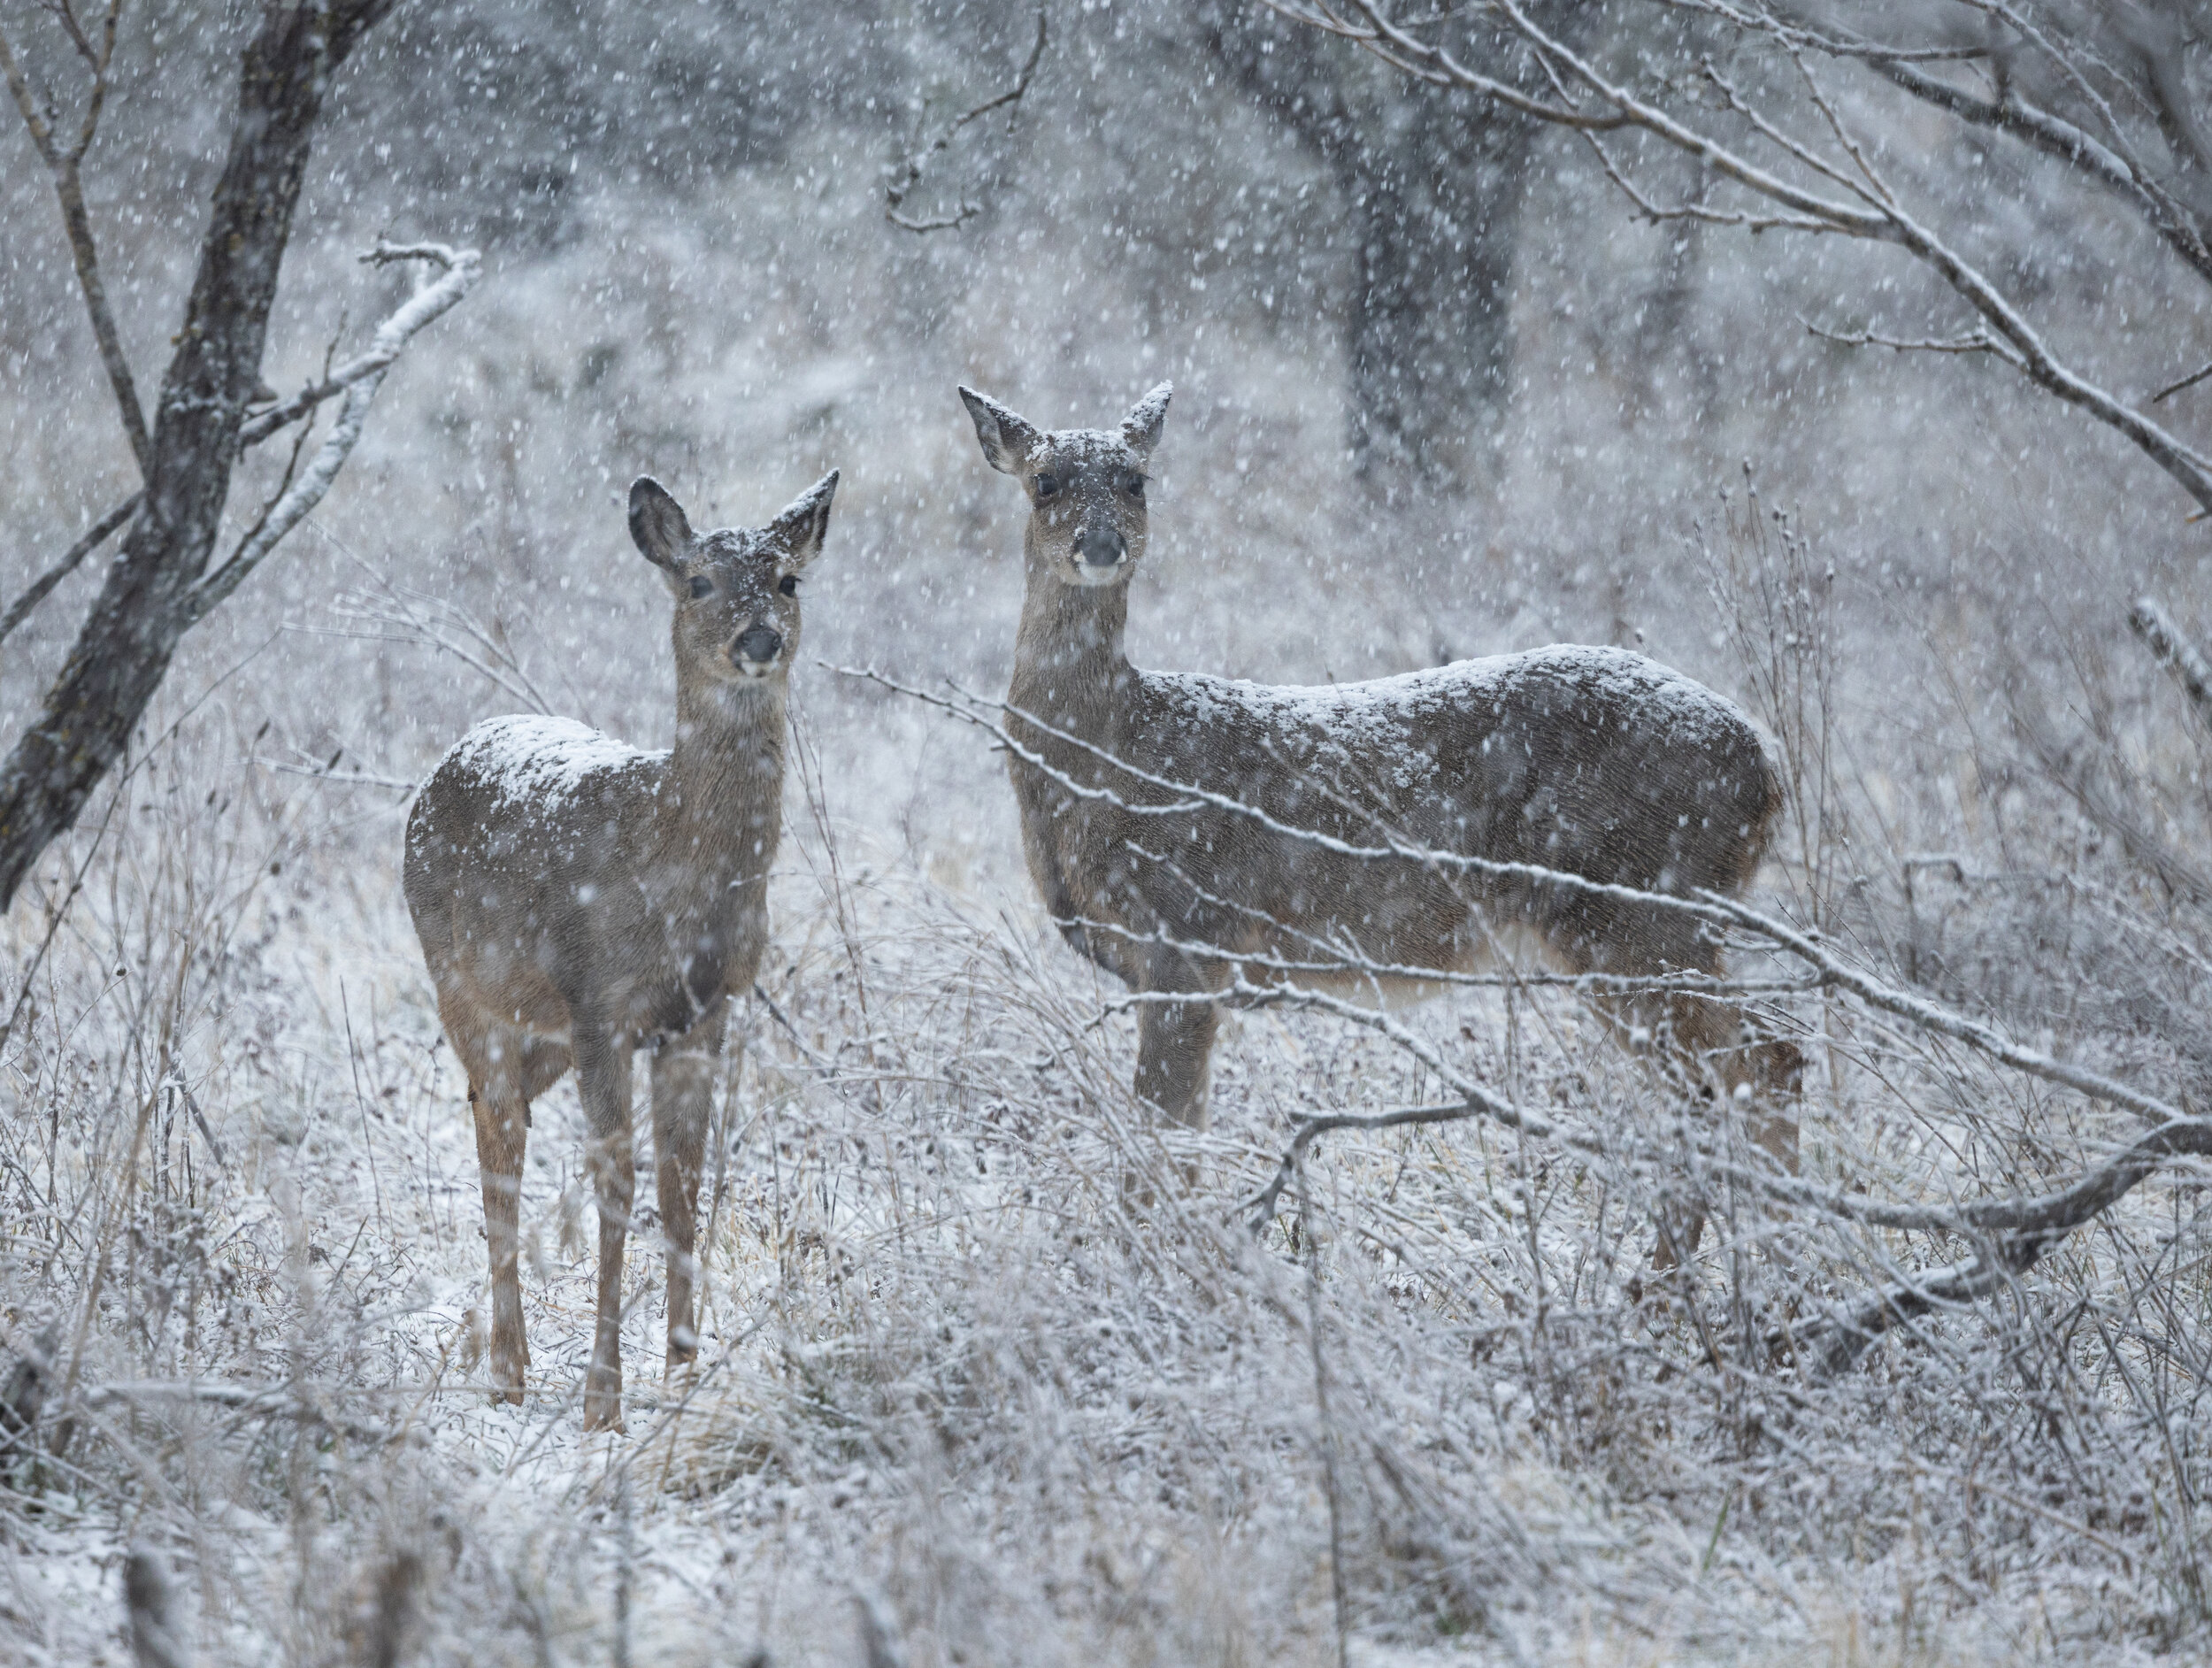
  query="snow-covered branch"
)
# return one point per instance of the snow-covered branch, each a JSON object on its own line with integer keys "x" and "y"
{"x": 1849, "y": 199}
{"x": 359, "y": 379}
{"x": 2174, "y": 651}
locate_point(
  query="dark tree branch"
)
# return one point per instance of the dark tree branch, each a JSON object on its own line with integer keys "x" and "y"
{"x": 1261, "y": 1210}
{"x": 65, "y": 164}
{"x": 2014, "y": 1233}
{"x": 2189, "y": 382}
{"x": 95, "y": 537}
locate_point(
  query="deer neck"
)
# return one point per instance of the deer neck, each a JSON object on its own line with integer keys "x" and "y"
{"x": 720, "y": 808}
{"x": 1069, "y": 667}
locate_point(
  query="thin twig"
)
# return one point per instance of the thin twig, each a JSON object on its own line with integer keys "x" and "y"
{"x": 1975, "y": 341}
{"x": 262, "y": 1401}
{"x": 1339, "y": 1608}
{"x": 909, "y": 173}
{"x": 64, "y": 165}
{"x": 2189, "y": 382}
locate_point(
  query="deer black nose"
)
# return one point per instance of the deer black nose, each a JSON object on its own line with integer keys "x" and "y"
{"x": 1101, "y": 547}
{"x": 758, "y": 644}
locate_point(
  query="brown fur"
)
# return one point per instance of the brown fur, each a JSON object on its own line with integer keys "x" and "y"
{"x": 576, "y": 898}
{"x": 1594, "y": 761}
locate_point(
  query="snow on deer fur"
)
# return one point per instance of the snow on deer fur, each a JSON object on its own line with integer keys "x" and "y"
{"x": 1591, "y": 760}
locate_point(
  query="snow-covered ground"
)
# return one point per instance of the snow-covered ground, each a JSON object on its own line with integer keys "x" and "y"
{"x": 982, "y": 1381}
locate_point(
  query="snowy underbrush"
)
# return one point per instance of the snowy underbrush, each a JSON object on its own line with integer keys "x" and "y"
{"x": 983, "y": 1382}
{"x": 995, "y": 1372}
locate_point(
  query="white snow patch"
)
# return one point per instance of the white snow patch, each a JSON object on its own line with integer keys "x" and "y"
{"x": 528, "y": 758}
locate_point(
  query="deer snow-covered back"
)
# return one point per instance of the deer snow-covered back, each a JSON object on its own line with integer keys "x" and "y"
{"x": 577, "y": 897}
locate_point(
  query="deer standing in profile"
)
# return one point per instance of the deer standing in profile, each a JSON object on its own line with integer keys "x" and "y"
{"x": 1596, "y": 761}
{"x": 577, "y": 897}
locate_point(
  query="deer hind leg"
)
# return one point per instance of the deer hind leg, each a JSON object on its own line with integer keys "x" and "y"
{"x": 503, "y": 1130}
{"x": 683, "y": 1094}
{"x": 1650, "y": 1028}
{"x": 1759, "y": 1076}
{"x": 602, "y": 1070}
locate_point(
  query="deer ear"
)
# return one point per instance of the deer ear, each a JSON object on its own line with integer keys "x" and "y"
{"x": 658, "y": 524}
{"x": 799, "y": 527}
{"x": 1008, "y": 440}
{"x": 1140, "y": 429}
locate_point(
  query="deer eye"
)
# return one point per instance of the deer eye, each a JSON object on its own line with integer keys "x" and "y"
{"x": 702, "y": 586}
{"x": 788, "y": 585}
{"x": 1048, "y": 486}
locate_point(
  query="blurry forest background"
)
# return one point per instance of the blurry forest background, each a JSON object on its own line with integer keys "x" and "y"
{"x": 1439, "y": 393}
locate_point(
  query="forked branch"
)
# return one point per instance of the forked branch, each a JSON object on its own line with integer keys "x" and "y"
{"x": 95, "y": 536}
{"x": 360, "y": 379}
{"x": 909, "y": 174}
{"x": 65, "y": 163}
{"x": 362, "y": 372}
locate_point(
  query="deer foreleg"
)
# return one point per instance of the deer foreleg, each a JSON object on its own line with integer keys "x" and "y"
{"x": 1757, "y": 1076}
{"x": 683, "y": 1095}
{"x": 1774, "y": 1067}
{"x": 602, "y": 1070}
{"x": 1175, "y": 1042}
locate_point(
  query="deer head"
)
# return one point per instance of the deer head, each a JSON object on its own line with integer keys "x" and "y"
{"x": 1086, "y": 486}
{"x": 736, "y": 589}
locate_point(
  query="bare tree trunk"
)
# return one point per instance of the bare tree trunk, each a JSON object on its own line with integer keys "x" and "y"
{"x": 123, "y": 650}
{"x": 1433, "y": 181}
{"x": 1431, "y": 335}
